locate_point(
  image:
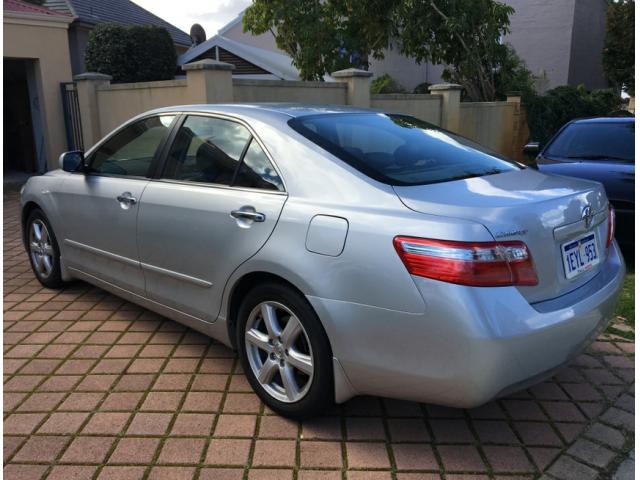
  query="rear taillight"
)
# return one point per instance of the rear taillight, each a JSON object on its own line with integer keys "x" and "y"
{"x": 611, "y": 226}
{"x": 480, "y": 264}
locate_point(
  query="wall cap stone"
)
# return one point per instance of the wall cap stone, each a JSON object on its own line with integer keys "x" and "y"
{"x": 445, "y": 86}
{"x": 351, "y": 72}
{"x": 207, "y": 64}
{"x": 92, "y": 76}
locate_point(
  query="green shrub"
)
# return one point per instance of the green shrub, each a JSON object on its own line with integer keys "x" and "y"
{"x": 513, "y": 76}
{"x": 139, "y": 53}
{"x": 422, "y": 88}
{"x": 547, "y": 113}
{"x": 386, "y": 84}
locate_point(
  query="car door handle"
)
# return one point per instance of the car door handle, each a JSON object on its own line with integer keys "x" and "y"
{"x": 127, "y": 199}
{"x": 248, "y": 215}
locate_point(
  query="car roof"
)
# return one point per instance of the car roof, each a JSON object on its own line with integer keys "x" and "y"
{"x": 605, "y": 120}
{"x": 291, "y": 110}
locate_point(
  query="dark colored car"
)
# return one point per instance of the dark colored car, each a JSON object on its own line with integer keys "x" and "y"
{"x": 599, "y": 149}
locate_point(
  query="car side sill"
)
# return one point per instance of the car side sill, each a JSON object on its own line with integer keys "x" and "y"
{"x": 180, "y": 317}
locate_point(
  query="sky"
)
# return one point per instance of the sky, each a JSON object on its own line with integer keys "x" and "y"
{"x": 211, "y": 14}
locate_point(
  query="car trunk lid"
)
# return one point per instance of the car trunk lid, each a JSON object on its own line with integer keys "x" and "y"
{"x": 544, "y": 211}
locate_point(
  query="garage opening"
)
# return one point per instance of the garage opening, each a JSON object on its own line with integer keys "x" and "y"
{"x": 23, "y": 146}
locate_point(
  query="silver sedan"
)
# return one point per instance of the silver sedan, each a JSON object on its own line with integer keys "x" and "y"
{"x": 340, "y": 251}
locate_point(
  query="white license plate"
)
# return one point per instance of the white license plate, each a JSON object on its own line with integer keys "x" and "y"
{"x": 580, "y": 255}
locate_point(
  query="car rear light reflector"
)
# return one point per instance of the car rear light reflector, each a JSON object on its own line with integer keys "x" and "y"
{"x": 611, "y": 226}
{"x": 480, "y": 264}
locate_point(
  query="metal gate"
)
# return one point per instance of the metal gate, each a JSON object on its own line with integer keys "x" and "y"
{"x": 72, "y": 120}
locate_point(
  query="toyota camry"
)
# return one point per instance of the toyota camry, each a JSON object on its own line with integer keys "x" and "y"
{"x": 340, "y": 251}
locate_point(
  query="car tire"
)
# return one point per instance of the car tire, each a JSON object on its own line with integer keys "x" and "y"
{"x": 289, "y": 365}
{"x": 42, "y": 248}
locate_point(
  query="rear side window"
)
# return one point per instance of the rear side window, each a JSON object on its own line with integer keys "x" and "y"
{"x": 256, "y": 171}
{"x": 398, "y": 149}
{"x": 207, "y": 150}
{"x": 218, "y": 151}
{"x": 595, "y": 141}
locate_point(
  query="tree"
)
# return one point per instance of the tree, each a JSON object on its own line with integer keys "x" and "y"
{"x": 322, "y": 36}
{"x": 131, "y": 54}
{"x": 513, "y": 76}
{"x": 618, "y": 56}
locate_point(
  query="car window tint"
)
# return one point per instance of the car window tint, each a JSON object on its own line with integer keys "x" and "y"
{"x": 398, "y": 149}
{"x": 131, "y": 151}
{"x": 256, "y": 171}
{"x": 207, "y": 150}
{"x": 595, "y": 141}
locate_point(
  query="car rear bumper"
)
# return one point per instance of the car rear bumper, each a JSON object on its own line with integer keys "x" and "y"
{"x": 471, "y": 345}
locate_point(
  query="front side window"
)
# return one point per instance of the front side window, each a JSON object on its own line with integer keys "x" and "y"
{"x": 218, "y": 151}
{"x": 398, "y": 149}
{"x": 595, "y": 141}
{"x": 131, "y": 151}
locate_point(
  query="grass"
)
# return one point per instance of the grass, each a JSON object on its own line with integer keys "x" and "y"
{"x": 625, "y": 310}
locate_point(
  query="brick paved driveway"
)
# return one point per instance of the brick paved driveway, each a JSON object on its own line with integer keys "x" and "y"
{"x": 96, "y": 387}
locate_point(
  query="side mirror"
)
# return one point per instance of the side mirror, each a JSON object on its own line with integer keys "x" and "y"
{"x": 532, "y": 148}
{"x": 72, "y": 161}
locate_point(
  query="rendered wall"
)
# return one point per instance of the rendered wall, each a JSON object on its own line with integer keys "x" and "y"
{"x": 496, "y": 125}
{"x": 289, "y": 91}
{"x": 118, "y": 103}
{"x": 489, "y": 123}
{"x": 46, "y": 43}
{"x": 423, "y": 106}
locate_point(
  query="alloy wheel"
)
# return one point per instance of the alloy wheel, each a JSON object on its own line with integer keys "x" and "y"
{"x": 41, "y": 249}
{"x": 279, "y": 351}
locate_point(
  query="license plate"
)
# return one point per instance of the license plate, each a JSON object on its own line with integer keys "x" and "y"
{"x": 580, "y": 255}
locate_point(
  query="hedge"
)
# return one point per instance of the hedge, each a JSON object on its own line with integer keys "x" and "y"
{"x": 139, "y": 53}
{"x": 547, "y": 113}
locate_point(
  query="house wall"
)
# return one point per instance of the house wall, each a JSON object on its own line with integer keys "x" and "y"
{"x": 44, "y": 41}
{"x": 587, "y": 44}
{"x": 289, "y": 91}
{"x": 404, "y": 70}
{"x": 541, "y": 33}
{"x": 265, "y": 41}
{"x": 78, "y": 38}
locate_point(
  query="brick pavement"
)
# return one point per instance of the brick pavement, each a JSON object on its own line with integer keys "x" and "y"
{"x": 98, "y": 388}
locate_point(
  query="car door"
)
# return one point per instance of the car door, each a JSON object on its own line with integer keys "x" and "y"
{"x": 214, "y": 205}
{"x": 100, "y": 205}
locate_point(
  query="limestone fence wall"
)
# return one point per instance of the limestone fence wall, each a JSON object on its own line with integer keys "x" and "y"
{"x": 104, "y": 106}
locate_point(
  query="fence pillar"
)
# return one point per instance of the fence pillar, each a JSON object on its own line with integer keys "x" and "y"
{"x": 450, "y": 114}
{"x": 209, "y": 81}
{"x": 520, "y": 132}
{"x": 87, "y": 85}
{"x": 358, "y": 86}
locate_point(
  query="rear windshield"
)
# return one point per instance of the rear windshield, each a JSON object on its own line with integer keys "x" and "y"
{"x": 398, "y": 149}
{"x": 595, "y": 141}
